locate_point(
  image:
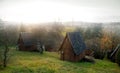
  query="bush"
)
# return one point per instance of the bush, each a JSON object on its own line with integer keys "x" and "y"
{"x": 99, "y": 54}
{"x": 109, "y": 53}
{"x": 117, "y": 58}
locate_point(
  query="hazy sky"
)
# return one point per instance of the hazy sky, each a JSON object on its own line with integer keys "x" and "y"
{"x": 34, "y": 11}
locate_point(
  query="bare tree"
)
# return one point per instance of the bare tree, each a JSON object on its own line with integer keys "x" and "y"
{"x": 5, "y": 49}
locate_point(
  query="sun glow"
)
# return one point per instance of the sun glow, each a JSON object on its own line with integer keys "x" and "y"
{"x": 40, "y": 11}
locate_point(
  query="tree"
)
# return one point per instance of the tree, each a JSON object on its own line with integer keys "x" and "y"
{"x": 92, "y": 37}
{"x": 106, "y": 42}
{"x": 49, "y": 35}
{"x": 93, "y": 32}
{"x": 4, "y": 49}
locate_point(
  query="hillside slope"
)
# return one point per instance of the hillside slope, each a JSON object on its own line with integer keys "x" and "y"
{"x": 49, "y": 62}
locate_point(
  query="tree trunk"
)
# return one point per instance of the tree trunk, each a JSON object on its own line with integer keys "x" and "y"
{"x": 5, "y": 55}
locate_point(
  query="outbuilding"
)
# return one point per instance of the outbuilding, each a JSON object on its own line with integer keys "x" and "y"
{"x": 73, "y": 47}
{"x": 26, "y": 42}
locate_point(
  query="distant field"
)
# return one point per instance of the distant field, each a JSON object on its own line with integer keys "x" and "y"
{"x": 49, "y": 62}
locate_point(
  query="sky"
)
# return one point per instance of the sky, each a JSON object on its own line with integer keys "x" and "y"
{"x": 35, "y": 11}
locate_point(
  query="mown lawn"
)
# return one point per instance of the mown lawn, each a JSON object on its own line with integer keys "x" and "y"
{"x": 49, "y": 62}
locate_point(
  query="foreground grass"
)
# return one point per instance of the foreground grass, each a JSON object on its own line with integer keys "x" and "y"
{"x": 48, "y": 62}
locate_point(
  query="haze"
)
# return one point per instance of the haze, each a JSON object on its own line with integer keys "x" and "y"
{"x": 36, "y": 11}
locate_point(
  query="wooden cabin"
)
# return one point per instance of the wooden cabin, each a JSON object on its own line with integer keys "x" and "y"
{"x": 26, "y": 42}
{"x": 73, "y": 47}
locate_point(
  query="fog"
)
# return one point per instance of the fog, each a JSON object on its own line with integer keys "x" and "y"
{"x": 37, "y": 11}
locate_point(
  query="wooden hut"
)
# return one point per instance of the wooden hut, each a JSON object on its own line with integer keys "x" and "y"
{"x": 26, "y": 42}
{"x": 73, "y": 47}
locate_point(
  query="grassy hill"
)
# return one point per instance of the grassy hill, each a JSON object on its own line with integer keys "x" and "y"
{"x": 49, "y": 62}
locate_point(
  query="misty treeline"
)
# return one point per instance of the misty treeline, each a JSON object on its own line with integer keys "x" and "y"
{"x": 48, "y": 35}
{"x": 102, "y": 38}
{"x": 96, "y": 35}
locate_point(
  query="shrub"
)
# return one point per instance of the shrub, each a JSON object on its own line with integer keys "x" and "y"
{"x": 99, "y": 54}
{"x": 109, "y": 53}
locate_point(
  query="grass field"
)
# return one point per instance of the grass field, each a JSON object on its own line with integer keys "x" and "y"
{"x": 49, "y": 62}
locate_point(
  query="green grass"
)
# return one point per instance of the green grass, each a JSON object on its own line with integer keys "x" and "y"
{"x": 49, "y": 62}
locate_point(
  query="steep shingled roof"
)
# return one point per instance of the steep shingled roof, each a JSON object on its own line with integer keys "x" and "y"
{"x": 76, "y": 42}
{"x": 27, "y": 38}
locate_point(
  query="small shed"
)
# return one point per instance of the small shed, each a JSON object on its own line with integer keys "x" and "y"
{"x": 73, "y": 47}
{"x": 26, "y": 42}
